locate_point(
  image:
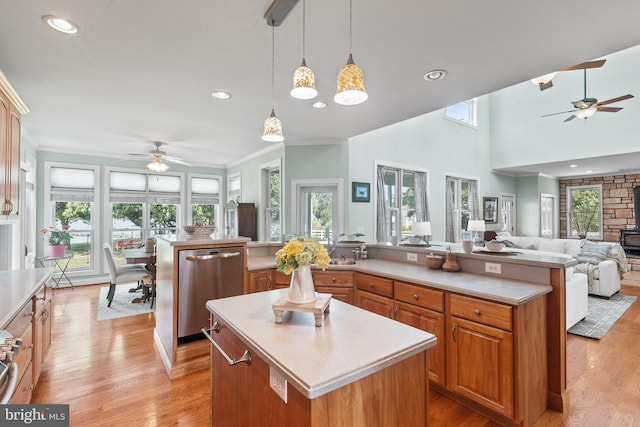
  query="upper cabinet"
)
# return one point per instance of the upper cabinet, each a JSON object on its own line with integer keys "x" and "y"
{"x": 11, "y": 110}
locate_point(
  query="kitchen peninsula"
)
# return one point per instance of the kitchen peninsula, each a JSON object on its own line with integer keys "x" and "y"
{"x": 177, "y": 305}
{"x": 356, "y": 369}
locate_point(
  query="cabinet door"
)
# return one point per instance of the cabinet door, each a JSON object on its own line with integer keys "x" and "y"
{"x": 281, "y": 280}
{"x": 481, "y": 364}
{"x": 260, "y": 280}
{"x": 5, "y": 153}
{"x": 13, "y": 186}
{"x": 432, "y": 322}
{"x": 374, "y": 303}
{"x": 339, "y": 293}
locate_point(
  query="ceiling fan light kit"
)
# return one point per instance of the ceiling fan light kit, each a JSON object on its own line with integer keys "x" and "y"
{"x": 157, "y": 166}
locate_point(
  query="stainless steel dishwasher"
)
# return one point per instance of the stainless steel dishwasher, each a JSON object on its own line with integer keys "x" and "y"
{"x": 205, "y": 274}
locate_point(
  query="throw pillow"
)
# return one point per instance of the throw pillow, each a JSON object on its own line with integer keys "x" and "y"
{"x": 593, "y": 253}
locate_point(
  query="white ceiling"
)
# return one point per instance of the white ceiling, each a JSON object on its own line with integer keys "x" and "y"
{"x": 143, "y": 70}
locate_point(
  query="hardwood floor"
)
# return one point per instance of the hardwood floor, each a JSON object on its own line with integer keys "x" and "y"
{"x": 111, "y": 375}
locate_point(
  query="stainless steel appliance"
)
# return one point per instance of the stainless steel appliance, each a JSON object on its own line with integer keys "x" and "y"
{"x": 205, "y": 274}
{"x": 9, "y": 347}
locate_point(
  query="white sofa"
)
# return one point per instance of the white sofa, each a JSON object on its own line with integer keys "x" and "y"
{"x": 603, "y": 278}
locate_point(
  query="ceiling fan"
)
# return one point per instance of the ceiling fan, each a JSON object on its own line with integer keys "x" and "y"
{"x": 544, "y": 82}
{"x": 157, "y": 157}
{"x": 587, "y": 107}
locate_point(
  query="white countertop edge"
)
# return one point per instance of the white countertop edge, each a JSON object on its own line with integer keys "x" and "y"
{"x": 325, "y": 387}
{"x": 42, "y": 276}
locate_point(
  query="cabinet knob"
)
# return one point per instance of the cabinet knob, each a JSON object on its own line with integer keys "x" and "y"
{"x": 415, "y": 297}
{"x": 371, "y": 284}
{"x": 333, "y": 279}
{"x": 476, "y": 311}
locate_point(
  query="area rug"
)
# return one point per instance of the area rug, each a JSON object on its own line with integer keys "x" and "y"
{"x": 602, "y": 314}
{"x": 121, "y": 306}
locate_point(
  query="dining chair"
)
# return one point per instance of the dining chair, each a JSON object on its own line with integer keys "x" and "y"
{"x": 121, "y": 273}
{"x": 149, "y": 282}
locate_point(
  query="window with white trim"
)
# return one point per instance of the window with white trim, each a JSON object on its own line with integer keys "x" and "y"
{"x": 233, "y": 188}
{"x": 464, "y": 112}
{"x": 205, "y": 199}
{"x": 584, "y": 211}
{"x": 71, "y": 197}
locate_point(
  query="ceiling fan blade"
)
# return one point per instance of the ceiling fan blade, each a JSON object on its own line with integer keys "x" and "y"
{"x": 611, "y": 101}
{"x": 140, "y": 155}
{"x": 176, "y": 160}
{"x": 609, "y": 109}
{"x": 571, "y": 117}
{"x": 561, "y": 112}
{"x": 589, "y": 64}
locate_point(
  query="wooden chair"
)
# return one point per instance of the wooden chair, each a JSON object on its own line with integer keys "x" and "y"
{"x": 121, "y": 273}
{"x": 149, "y": 281}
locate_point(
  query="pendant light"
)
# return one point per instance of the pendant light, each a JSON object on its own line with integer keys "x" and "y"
{"x": 272, "y": 125}
{"x": 304, "y": 85}
{"x": 350, "y": 89}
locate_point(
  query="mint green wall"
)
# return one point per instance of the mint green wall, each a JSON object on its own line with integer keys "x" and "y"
{"x": 250, "y": 178}
{"x": 432, "y": 142}
{"x": 316, "y": 162}
{"x": 528, "y": 190}
{"x": 520, "y": 136}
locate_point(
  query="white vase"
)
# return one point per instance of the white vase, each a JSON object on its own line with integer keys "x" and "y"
{"x": 301, "y": 290}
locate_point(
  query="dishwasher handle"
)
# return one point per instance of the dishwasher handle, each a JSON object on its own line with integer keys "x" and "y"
{"x": 12, "y": 383}
{"x": 212, "y": 256}
{"x": 246, "y": 356}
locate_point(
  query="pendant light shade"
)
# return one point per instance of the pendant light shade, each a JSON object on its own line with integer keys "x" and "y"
{"x": 350, "y": 88}
{"x": 272, "y": 129}
{"x": 304, "y": 84}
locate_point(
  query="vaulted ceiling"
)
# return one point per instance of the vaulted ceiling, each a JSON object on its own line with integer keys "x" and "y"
{"x": 144, "y": 71}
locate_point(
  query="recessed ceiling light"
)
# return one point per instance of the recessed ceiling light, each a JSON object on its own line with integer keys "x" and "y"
{"x": 61, "y": 24}
{"x": 220, "y": 94}
{"x": 573, "y": 166}
{"x": 319, "y": 104}
{"x": 588, "y": 171}
{"x": 435, "y": 75}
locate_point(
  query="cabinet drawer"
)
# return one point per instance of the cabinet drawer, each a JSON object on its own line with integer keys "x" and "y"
{"x": 343, "y": 294}
{"x": 22, "y": 321}
{"x": 23, "y": 358}
{"x": 333, "y": 278}
{"x": 24, "y": 388}
{"x": 486, "y": 312}
{"x": 374, "y": 284}
{"x": 280, "y": 278}
{"x": 420, "y": 296}
{"x": 39, "y": 301}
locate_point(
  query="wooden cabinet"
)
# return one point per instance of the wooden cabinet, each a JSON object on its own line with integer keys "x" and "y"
{"x": 10, "y": 118}
{"x": 21, "y": 327}
{"x": 281, "y": 280}
{"x": 423, "y": 308}
{"x": 41, "y": 330}
{"x": 240, "y": 220}
{"x": 260, "y": 280}
{"x": 375, "y": 284}
{"x": 337, "y": 283}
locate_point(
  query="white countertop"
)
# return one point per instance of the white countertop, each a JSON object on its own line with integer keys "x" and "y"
{"x": 16, "y": 289}
{"x": 351, "y": 344}
{"x": 184, "y": 239}
{"x": 508, "y": 291}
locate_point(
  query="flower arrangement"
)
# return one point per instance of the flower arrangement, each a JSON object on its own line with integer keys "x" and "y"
{"x": 55, "y": 236}
{"x": 299, "y": 252}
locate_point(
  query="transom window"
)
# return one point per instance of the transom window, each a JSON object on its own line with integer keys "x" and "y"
{"x": 464, "y": 112}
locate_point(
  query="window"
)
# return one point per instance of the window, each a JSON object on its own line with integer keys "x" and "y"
{"x": 205, "y": 199}
{"x": 72, "y": 199}
{"x": 233, "y": 188}
{"x": 463, "y": 112}
{"x": 317, "y": 208}
{"x": 401, "y": 201}
{"x": 584, "y": 211}
{"x": 271, "y": 217}
{"x": 461, "y": 205}
{"x": 547, "y": 215}
{"x": 142, "y": 205}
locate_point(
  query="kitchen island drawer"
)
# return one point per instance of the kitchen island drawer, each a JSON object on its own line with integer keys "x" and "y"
{"x": 486, "y": 312}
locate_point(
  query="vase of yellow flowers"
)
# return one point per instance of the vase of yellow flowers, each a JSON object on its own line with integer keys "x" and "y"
{"x": 296, "y": 258}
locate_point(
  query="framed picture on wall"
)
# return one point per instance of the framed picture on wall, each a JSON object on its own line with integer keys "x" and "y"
{"x": 360, "y": 192}
{"x": 490, "y": 209}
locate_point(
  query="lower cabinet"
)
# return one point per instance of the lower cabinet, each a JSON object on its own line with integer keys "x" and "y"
{"x": 21, "y": 327}
{"x": 41, "y": 330}
{"x": 260, "y": 280}
{"x": 337, "y": 283}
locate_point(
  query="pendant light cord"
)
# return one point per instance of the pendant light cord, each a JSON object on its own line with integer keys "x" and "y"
{"x": 350, "y": 26}
{"x": 304, "y": 14}
{"x": 273, "y": 65}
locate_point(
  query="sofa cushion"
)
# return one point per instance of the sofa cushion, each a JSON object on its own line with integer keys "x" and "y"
{"x": 552, "y": 245}
{"x": 593, "y": 253}
{"x": 573, "y": 246}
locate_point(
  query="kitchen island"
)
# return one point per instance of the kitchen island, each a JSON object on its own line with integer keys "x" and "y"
{"x": 358, "y": 368}
{"x": 178, "y": 356}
